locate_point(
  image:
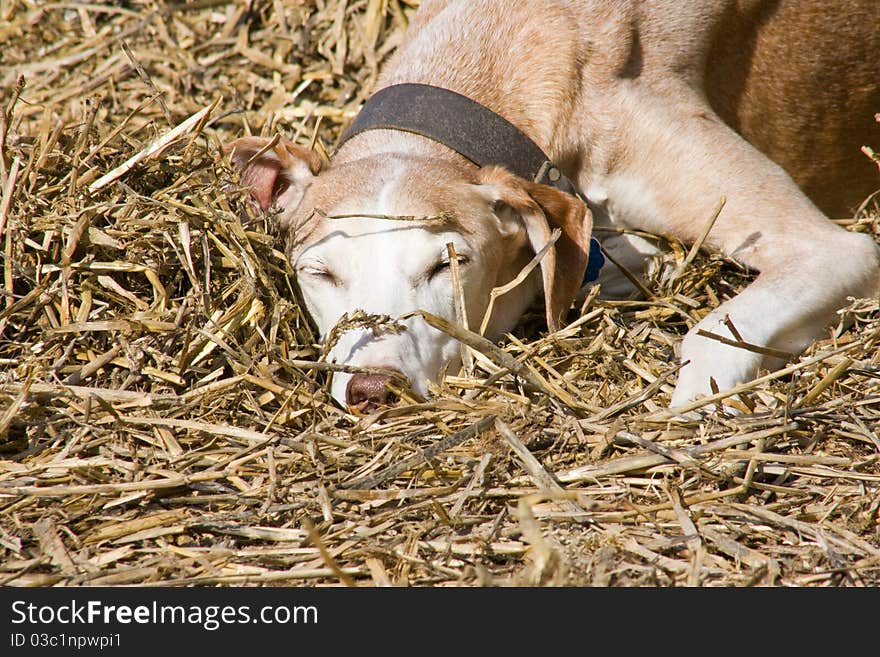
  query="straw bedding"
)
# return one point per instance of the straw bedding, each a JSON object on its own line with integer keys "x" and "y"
{"x": 164, "y": 415}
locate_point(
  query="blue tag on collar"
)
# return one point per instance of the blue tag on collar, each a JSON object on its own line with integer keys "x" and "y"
{"x": 595, "y": 263}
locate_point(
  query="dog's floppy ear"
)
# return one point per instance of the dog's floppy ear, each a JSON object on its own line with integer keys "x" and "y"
{"x": 540, "y": 209}
{"x": 274, "y": 169}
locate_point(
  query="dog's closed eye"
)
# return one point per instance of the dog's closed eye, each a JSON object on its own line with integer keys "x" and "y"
{"x": 443, "y": 266}
{"x": 317, "y": 272}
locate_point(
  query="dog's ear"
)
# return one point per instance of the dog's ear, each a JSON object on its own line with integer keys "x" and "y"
{"x": 539, "y": 209}
{"x": 276, "y": 170}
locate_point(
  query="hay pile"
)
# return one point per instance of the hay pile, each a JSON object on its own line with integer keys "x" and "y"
{"x": 164, "y": 416}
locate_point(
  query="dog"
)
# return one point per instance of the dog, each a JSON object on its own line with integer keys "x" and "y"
{"x": 652, "y": 110}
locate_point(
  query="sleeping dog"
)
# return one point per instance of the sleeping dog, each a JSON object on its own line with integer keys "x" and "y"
{"x": 507, "y": 130}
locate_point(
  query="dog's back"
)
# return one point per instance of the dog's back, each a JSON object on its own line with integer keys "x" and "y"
{"x": 799, "y": 79}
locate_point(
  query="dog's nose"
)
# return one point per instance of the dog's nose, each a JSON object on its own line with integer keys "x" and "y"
{"x": 367, "y": 391}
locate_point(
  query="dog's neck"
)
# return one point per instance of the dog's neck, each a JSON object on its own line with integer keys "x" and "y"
{"x": 539, "y": 103}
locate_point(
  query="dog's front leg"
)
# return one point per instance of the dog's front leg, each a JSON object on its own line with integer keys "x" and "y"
{"x": 779, "y": 312}
{"x": 808, "y": 269}
{"x": 683, "y": 160}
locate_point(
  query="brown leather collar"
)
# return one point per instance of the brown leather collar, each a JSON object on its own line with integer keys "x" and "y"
{"x": 459, "y": 123}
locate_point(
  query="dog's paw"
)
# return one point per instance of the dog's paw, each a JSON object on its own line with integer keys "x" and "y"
{"x": 710, "y": 367}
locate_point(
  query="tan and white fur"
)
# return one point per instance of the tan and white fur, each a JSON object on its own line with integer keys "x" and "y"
{"x": 656, "y": 109}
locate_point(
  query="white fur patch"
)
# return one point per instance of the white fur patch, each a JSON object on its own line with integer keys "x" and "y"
{"x": 382, "y": 267}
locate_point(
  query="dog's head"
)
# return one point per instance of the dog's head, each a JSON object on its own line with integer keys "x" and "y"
{"x": 372, "y": 235}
